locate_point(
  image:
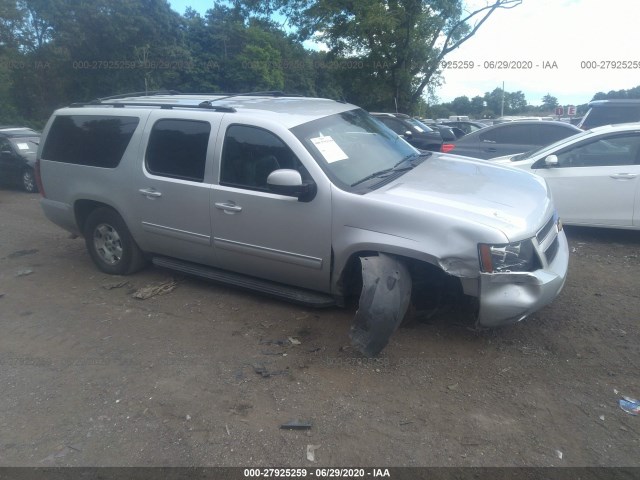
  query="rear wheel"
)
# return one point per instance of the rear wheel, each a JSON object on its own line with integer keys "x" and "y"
{"x": 110, "y": 243}
{"x": 29, "y": 180}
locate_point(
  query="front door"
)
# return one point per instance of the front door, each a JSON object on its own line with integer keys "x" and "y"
{"x": 264, "y": 234}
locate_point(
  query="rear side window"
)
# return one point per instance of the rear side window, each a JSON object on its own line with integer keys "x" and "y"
{"x": 178, "y": 149}
{"x": 510, "y": 134}
{"x": 93, "y": 140}
{"x": 611, "y": 114}
{"x": 548, "y": 134}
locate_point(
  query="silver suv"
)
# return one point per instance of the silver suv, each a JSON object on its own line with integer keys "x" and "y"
{"x": 307, "y": 199}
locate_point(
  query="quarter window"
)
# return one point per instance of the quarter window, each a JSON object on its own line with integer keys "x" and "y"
{"x": 178, "y": 149}
{"x": 93, "y": 140}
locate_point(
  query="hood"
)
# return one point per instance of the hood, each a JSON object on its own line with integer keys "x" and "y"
{"x": 510, "y": 200}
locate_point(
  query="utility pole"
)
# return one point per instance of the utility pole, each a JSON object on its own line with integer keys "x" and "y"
{"x": 502, "y": 105}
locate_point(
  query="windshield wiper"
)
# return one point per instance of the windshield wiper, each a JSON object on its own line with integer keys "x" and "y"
{"x": 413, "y": 157}
{"x": 397, "y": 167}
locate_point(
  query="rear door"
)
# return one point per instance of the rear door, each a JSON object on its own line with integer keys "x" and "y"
{"x": 260, "y": 233}
{"x": 172, "y": 185}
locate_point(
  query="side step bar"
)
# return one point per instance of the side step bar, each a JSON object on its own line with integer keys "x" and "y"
{"x": 300, "y": 296}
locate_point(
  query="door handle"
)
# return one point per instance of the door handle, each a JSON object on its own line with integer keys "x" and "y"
{"x": 491, "y": 149}
{"x": 624, "y": 176}
{"x": 228, "y": 207}
{"x": 150, "y": 192}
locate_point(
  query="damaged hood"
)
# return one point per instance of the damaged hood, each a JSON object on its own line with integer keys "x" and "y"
{"x": 515, "y": 202}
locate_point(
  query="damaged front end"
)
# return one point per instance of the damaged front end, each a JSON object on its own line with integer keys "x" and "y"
{"x": 385, "y": 297}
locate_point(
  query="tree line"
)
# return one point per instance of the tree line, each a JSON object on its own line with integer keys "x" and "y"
{"x": 381, "y": 54}
{"x": 491, "y": 104}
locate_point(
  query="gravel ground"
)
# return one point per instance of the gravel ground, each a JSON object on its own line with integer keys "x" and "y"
{"x": 205, "y": 375}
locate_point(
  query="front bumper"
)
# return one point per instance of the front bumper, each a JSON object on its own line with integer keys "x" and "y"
{"x": 512, "y": 296}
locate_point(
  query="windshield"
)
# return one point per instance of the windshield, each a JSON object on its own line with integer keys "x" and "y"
{"x": 351, "y": 146}
{"x": 419, "y": 125}
{"x": 25, "y": 144}
{"x": 553, "y": 146}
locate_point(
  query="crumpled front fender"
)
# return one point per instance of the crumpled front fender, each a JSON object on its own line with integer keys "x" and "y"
{"x": 385, "y": 297}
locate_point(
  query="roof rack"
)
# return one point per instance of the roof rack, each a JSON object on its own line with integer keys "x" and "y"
{"x": 137, "y": 94}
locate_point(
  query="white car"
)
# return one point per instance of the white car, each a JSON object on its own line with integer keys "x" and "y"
{"x": 594, "y": 176}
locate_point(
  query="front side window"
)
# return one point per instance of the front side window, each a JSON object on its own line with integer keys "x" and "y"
{"x": 92, "y": 140}
{"x": 605, "y": 152}
{"x": 250, "y": 154}
{"x": 395, "y": 125}
{"x": 352, "y": 145}
{"x": 178, "y": 149}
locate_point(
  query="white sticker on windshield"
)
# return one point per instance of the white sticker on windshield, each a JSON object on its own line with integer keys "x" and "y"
{"x": 418, "y": 128}
{"x": 23, "y": 146}
{"x": 329, "y": 149}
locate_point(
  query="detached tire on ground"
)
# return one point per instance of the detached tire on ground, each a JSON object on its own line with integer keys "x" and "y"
{"x": 110, "y": 243}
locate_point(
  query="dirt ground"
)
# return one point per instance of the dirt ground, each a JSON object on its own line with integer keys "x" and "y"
{"x": 205, "y": 375}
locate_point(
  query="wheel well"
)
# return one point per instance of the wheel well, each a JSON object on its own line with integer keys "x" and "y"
{"x": 83, "y": 209}
{"x": 425, "y": 277}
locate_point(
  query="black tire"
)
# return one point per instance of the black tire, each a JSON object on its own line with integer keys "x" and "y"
{"x": 28, "y": 179}
{"x": 110, "y": 243}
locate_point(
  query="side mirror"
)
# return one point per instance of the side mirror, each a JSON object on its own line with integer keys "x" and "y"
{"x": 289, "y": 182}
{"x": 407, "y": 134}
{"x": 551, "y": 161}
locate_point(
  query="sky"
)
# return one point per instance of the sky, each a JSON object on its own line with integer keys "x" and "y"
{"x": 579, "y": 41}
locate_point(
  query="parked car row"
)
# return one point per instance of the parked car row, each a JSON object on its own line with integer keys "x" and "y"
{"x": 594, "y": 174}
{"x": 511, "y": 137}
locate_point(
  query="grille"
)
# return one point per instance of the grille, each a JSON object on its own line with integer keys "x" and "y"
{"x": 547, "y": 238}
{"x": 551, "y": 252}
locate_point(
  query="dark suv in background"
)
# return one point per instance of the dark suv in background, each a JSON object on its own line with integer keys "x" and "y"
{"x": 412, "y": 130}
{"x": 609, "y": 112}
{"x": 18, "y": 148}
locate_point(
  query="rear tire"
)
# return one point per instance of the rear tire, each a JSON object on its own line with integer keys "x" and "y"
{"x": 110, "y": 243}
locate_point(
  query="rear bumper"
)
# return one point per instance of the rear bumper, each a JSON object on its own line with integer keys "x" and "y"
{"x": 511, "y": 297}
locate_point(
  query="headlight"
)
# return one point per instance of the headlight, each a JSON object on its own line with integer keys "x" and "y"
{"x": 510, "y": 257}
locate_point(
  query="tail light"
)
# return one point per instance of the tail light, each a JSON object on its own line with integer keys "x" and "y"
{"x": 447, "y": 147}
{"x": 39, "y": 178}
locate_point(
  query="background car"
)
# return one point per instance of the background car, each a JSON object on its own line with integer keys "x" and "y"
{"x": 413, "y": 131}
{"x": 449, "y": 134}
{"x": 594, "y": 176}
{"x": 510, "y": 138}
{"x": 467, "y": 126}
{"x": 608, "y": 112}
{"x": 18, "y": 147}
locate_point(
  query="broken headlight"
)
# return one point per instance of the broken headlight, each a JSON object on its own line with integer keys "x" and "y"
{"x": 510, "y": 257}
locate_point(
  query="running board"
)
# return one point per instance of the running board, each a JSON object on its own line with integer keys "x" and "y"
{"x": 300, "y": 296}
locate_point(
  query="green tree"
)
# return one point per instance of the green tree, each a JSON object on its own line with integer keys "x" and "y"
{"x": 401, "y": 42}
{"x": 549, "y": 102}
{"x": 461, "y": 105}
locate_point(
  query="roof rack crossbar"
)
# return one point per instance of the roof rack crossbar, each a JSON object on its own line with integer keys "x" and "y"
{"x": 136, "y": 94}
{"x": 203, "y": 105}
